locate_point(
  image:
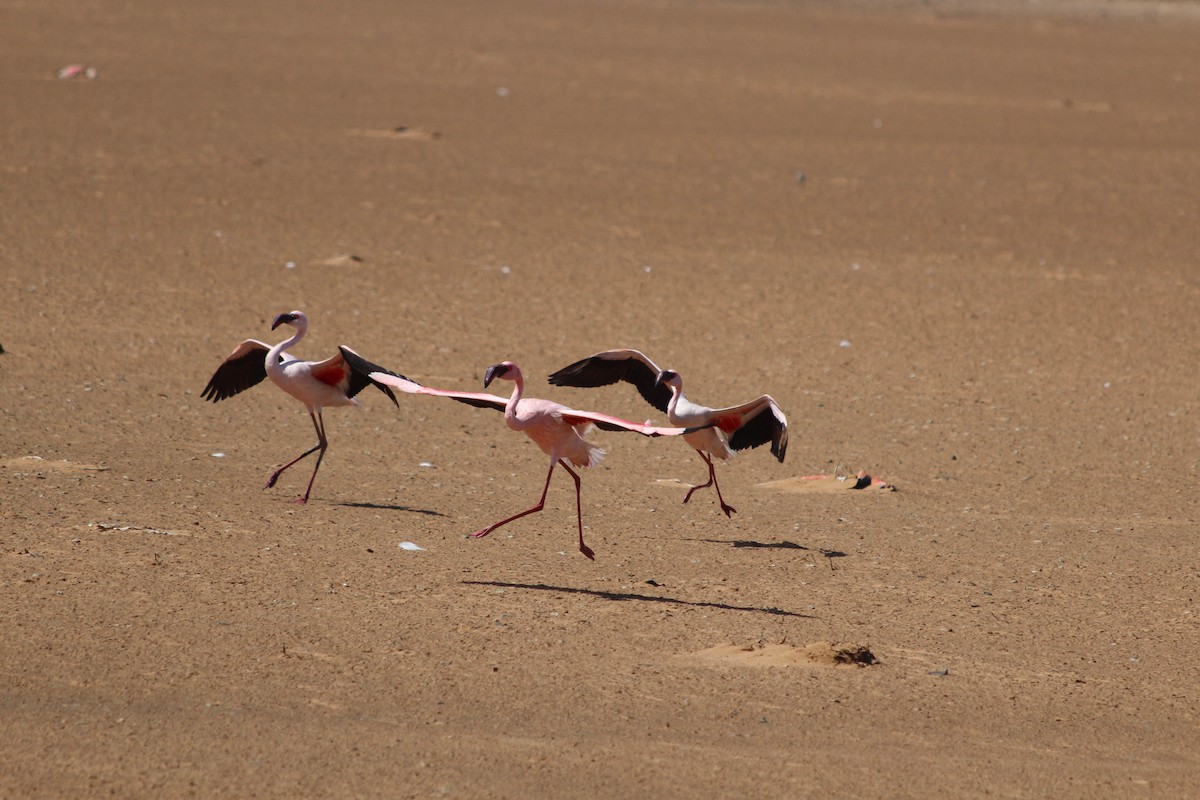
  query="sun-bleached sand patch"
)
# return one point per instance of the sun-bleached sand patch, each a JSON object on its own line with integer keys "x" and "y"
{"x": 36, "y": 464}
{"x": 828, "y": 483}
{"x": 340, "y": 260}
{"x": 399, "y": 132}
{"x": 117, "y": 527}
{"x": 817, "y": 654}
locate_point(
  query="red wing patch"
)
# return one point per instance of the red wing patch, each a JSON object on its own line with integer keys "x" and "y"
{"x": 576, "y": 422}
{"x": 729, "y": 424}
{"x": 333, "y": 374}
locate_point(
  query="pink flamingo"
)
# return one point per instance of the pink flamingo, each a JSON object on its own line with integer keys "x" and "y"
{"x": 317, "y": 384}
{"x": 558, "y": 430}
{"x": 719, "y": 431}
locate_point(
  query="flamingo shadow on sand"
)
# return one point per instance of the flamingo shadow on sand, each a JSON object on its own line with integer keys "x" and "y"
{"x": 784, "y": 545}
{"x": 393, "y": 507}
{"x": 646, "y": 598}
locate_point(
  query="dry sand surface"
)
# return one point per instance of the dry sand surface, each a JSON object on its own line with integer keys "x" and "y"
{"x": 958, "y": 243}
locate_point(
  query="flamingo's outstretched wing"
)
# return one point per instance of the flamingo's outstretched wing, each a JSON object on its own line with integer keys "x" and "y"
{"x": 243, "y": 368}
{"x": 753, "y": 424}
{"x": 631, "y": 366}
{"x": 351, "y": 372}
{"x": 608, "y": 423}
{"x": 477, "y": 399}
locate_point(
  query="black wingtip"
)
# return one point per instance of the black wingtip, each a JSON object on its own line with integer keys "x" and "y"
{"x": 383, "y": 387}
{"x": 362, "y": 368}
{"x": 388, "y": 391}
{"x": 570, "y": 375}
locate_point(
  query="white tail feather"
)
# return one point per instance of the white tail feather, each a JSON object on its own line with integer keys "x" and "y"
{"x": 588, "y": 456}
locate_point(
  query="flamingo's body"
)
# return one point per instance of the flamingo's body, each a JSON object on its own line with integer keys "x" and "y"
{"x": 544, "y": 423}
{"x": 317, "y": 384}
{"x": 558, "y": 430}
{"x": 721, "y": 431}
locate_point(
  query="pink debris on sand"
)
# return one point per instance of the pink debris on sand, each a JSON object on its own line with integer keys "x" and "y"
{"x": 861, "y": 481}
{"x": 865, "y": 481}
{"x": 77, "y": 71}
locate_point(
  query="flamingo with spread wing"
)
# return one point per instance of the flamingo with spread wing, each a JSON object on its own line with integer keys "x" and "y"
{"x": 556, "y": 429}
{"x": 721, "y": 431}
{"x": 317, "y": 384}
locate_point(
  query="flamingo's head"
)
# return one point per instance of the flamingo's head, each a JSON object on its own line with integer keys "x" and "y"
{"x": 296, "y": 319}
{"x": 669, "y": 377}
{"x": 505, "y": 369}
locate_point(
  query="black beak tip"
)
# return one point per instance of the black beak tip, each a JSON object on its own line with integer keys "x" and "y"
{"x": 493, "y": 372}
{"x": 283, "y": 319}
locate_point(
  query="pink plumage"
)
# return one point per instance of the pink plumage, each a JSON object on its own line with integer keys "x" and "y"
{"x": 556, "y": 429}
{"x": 317, "y": 384}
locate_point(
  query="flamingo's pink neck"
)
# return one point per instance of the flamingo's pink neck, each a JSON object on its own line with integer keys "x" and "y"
{"x": 292, "y": 341}
{"x": 676, "y": 396}
{"x": 510, "y": 410}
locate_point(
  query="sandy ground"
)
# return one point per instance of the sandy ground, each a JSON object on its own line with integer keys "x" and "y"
{"x": 957, "y": 243}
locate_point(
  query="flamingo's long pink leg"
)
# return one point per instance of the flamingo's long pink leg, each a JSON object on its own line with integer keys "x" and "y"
{"x": 583, "y": 548}
{"x": 322, "y": 444}
{"x": 540, "y": 505}
{"x": 711, "y": 477}
{"x": 712, "y": 481}
{"x": 728, "y": 509}
{"x": 319, "y": 420}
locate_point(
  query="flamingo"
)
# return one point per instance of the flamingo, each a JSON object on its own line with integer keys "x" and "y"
{"x": 558, "y": 430}
{"x": 721, "y": 431}
{"x": 317, "y": 384}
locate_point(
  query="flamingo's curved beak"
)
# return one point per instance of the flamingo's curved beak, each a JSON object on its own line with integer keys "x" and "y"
{"x": 493, "y": 372}
{"x": 283, "y": 319}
